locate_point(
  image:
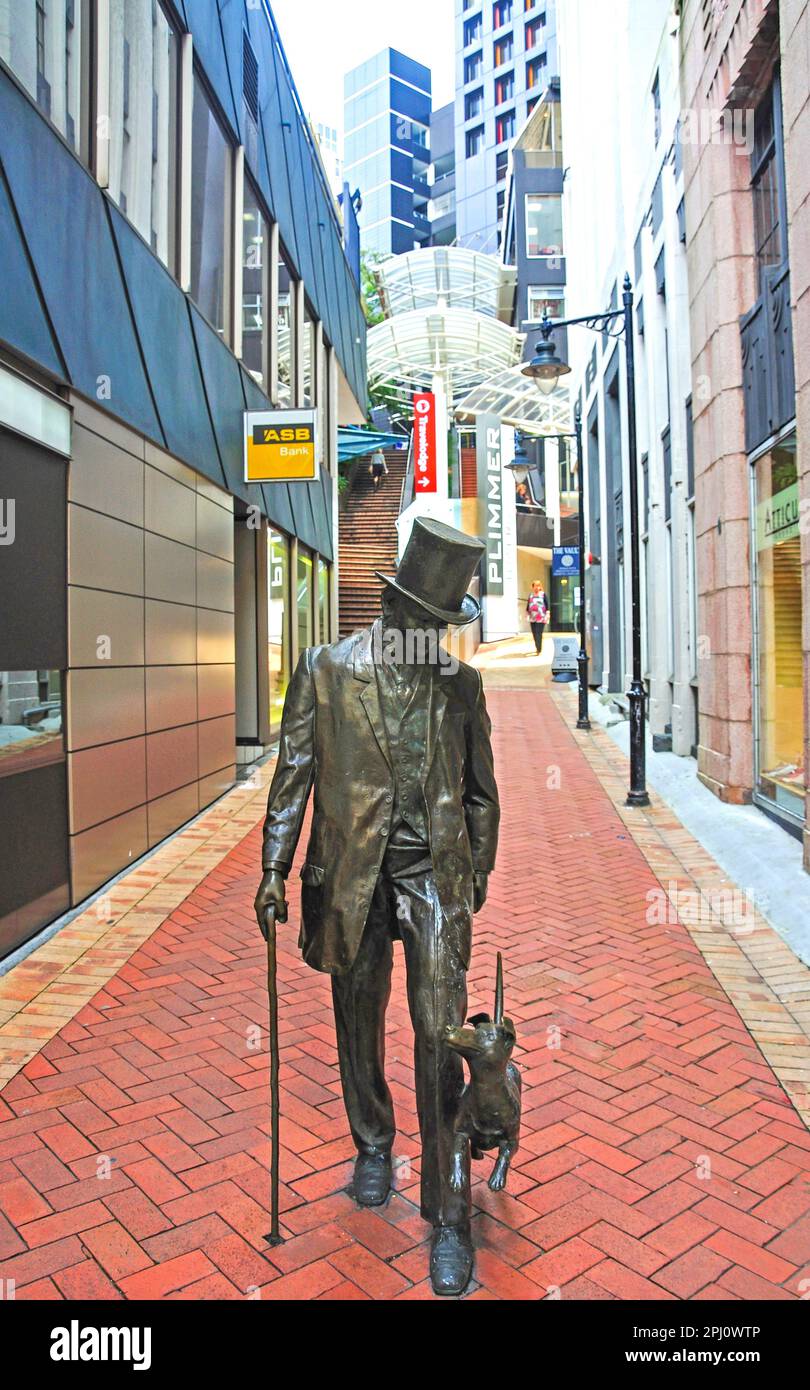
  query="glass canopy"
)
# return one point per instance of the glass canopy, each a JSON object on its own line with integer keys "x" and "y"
{"x": 518, "y": 402}
{"x": 446, "y": 275}
{"x": 461, "y": 346}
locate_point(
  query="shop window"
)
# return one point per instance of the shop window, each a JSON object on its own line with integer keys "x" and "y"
{"x": 46, "y": 45}
{"x": 278, "y": 624}
{"x": 143, "y": 122}
{"x": 304, "y": 605}
{"x": 544, "y": 225}
{"x": 211, "y": 216}
{"x": 254, "y": 285}
{"x": 780, "y": 716}
{"x": 285, "y": 333}
{"x": 30, "y": 720}
{"x": 323, "y": 601}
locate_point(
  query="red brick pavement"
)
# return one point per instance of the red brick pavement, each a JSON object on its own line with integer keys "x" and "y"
{"x": 660, "y": 1158}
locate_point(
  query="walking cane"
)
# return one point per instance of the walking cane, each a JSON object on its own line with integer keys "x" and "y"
{"x": 275, "y": 1237}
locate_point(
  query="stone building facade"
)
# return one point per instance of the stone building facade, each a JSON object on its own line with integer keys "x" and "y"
{"x": 746, "y": 148}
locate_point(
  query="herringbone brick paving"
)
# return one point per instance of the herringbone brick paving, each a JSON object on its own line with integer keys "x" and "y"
{"x": 660, "y": 1157}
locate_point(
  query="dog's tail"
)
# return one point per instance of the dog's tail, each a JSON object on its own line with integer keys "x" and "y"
{"x": 499, "y": 991}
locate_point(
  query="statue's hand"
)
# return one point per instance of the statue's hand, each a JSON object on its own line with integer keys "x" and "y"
{"x": 270, "y": 895}
{"x": 480, "y": 882}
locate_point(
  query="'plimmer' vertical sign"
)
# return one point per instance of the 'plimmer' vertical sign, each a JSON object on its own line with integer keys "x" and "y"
{"x": 497, "y": 527}
{"x": 490, "y": 494}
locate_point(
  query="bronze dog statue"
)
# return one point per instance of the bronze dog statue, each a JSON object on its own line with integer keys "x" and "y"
{"x": 489, "y": 1109}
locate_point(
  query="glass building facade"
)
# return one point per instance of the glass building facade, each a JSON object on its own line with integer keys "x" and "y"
{"x": 387, "y": 109}
{"x": 167, "y": 269}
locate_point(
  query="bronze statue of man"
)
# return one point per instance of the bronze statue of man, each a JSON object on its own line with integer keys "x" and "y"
{"x": 394, "y": 737}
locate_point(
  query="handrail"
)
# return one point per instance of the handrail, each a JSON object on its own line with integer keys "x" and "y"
{"x": 408, "y": 488}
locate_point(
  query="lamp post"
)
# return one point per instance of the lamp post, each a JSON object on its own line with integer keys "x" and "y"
{"x": 546, "y": 368}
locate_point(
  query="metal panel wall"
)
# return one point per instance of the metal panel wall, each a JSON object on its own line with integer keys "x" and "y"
{"x": 151, "y": 735}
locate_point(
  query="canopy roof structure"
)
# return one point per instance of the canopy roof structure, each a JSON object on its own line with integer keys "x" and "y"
{"x": 453, "y": 276}
{"x": 354, "y": 442}
{"x": 518, "y": 402}
{"x": 464, "y": 348}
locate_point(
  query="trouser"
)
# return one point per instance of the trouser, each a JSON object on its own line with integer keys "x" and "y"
{"x": 405, "y": 904}
{"x": 537, "y": 633}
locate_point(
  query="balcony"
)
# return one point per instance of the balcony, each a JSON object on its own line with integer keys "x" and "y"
{"x": 767, "y": 357}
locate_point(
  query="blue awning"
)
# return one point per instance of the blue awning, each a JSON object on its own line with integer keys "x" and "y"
{"x": 354, "y": 441}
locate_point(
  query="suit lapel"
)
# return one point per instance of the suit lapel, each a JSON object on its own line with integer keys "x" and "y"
{"x": 369, "y": 694}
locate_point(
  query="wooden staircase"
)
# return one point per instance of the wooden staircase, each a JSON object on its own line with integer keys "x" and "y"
{"x": 368, "y": 541}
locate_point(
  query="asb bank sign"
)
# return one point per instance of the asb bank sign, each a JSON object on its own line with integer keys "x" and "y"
{"x": 424, "y": 442}
{"x": 281, "y": 446}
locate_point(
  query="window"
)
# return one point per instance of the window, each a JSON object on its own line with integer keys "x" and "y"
{"x": 473, "y": 103}
{"x": 308, "y": 359}
{"x": 779, "y": 730}
{"x": 530, "y": 105}
{"x": 544, "y": 225}
{"x": 30, "y": 720}
{"x": 656, "y": 100}
{"x": 503, "y": 51}
{"x": 473, "y": 66}
{"x": 504, "y": 88}
{"x": 304, "y": 599}
{"x": 254, "y": 285}
{"x": 534, "y": 33}
{"x": 323, "y": 601}
{"x": 501, "y": 13}
{"x": 504, "y": 127}
{"x": 474, "y": 141}
{"x": 211, "y": 203}
{"x": 472, "y": 29}
{"x": 544, "y": 299}
{"x": 768, "y": 183}
{"x": 501, "y": 164}
{"x": 278, "y": 626}
{"x": 143, "y": 122}
{"x": 46, "y": 45}
{"x": 536, "y": 70}
{"x": 285, "y": 333}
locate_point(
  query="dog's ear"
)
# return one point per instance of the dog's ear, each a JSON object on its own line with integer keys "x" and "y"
{"x": 509, "y": 1029}
{"x": 479, "y": 1018}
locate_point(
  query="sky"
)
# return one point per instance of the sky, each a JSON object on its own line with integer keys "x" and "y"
{"x": 323, "y": 39}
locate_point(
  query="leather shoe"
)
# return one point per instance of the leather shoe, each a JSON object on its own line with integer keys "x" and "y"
{"x": 372, "y": 1179}
{"x": 451, "y": 1260}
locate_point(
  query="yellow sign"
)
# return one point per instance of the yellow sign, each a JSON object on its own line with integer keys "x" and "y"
{"x": 281, "y": 446}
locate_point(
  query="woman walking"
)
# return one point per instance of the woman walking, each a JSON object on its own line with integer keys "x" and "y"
{"x": 537, "y": 609}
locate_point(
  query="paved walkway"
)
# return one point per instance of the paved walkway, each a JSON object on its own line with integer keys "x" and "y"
{"x": 662, "y": 1156}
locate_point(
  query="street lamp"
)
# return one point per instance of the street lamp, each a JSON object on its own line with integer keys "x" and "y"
{"x": 546, "y": 368}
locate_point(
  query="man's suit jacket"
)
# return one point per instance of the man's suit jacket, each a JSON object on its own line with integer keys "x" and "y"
{"x": 333, "y": 735}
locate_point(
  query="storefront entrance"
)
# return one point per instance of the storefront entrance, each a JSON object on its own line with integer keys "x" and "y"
{"x": 779, "y": 720}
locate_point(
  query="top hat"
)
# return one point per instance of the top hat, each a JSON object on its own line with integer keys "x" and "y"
{"x": 435, "y": 571}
